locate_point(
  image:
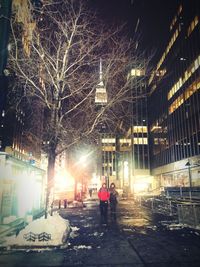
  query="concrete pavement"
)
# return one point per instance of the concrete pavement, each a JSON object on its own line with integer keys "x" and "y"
{"x": 137, "y": 238}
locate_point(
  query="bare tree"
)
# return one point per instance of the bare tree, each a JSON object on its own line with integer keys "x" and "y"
{"x": 61, "y": 70}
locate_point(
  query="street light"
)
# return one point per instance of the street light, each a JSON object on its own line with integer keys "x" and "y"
{"x": 83, "y": 160}
{"x": 190, "y": 178}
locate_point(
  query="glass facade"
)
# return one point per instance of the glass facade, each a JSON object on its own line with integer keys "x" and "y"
{"x": 174, "y": 102}
{"x": 138, "y": 131}
{"x": 108, "y": 157}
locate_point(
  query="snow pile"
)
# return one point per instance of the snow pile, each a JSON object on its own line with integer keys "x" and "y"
{"x": 96, "y": 234}
{"x": 128, "y": 230}
{"x": 152, "y": 227}
{"x": 82, "y": 247}
{"x": 74, "y": 233}
{"x": 175, "y": 226}
{"x": 74, "y": 228}
{"x": 75, "y": 204}
{"x": 54, "y": 229}
{"x": 89, "y": 203}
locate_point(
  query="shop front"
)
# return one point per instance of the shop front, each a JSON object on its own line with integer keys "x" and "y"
{"x": 184, "y": 173}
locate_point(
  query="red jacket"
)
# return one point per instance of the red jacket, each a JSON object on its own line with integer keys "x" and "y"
{"x": 104, "y": 194}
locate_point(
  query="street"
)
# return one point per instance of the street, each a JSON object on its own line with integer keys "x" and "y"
{"x": 137, "y": 238}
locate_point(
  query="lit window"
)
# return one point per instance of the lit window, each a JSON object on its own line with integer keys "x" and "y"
{"x": 108, "y": 148}
{"x": 108, "y": 140}
{"x": 173, "y": 39}
{"x": 187, "y": 74}
{"x": 140, "y": 129}
{"x": 156, "y": 128}
{"x": 193, "y": 24}
{"x": 183, "y": 97}
{"x": 196, "y": 64}
{"x": 180, "y": 9}
{"x": 137, "y": 72}
{"x": 140, "y": 141}
{"x": 125, "y": 141}
{"x": 156, "y": 141}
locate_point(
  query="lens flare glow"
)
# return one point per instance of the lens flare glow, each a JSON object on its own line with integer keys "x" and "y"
{"x": 28, "y": 193}
{"x": 64, "y": 181}
{"x": 141, "y": 187}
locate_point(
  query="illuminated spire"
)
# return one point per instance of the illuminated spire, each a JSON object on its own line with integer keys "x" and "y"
{"x": 100, "y": 74}
{"x": 101, "y": 94}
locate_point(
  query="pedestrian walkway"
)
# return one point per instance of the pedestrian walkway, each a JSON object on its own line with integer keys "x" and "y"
{"x": 137, "y": 238}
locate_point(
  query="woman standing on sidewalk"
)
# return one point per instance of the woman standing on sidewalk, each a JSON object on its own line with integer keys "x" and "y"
{"x": 103, "y": 196}
{"x": 113, "y": 200}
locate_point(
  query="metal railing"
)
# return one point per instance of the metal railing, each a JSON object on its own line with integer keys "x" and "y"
{"x": 160, "y": 204}
{"x": 186, "y": 212}
{"x": 182, "y": 192}
{"x": 189, "y": 214}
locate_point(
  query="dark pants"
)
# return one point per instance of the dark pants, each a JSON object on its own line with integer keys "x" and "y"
{"x": 90, "y": 192}
{"x": 113, "y": 206}
{"x": 104, "y": 209}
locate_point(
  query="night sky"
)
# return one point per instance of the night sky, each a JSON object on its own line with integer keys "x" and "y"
{"x": 155, "y": 17}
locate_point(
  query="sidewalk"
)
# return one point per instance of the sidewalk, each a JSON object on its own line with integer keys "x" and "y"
{"x": 135, "y": 239}
{"x": 19, "y": 223}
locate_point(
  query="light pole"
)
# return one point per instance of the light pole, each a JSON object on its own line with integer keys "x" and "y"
{"x": 190, "y": 178}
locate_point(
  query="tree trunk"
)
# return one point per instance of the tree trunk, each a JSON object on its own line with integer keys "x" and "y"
{"x": 50, "y": 179}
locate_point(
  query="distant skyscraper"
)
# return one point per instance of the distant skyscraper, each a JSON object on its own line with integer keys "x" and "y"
{"x": 101, "y": 94}
{"x": 5, "y": 10}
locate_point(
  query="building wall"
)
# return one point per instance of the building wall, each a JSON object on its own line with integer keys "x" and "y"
{"x": 108, "y": 158}
{"x": 21, "y": 119}
{"x": 140, "y": 179}
{"x": 174, "y": 108}
{"x": 118, "y": 163}
{"x": 5, "y": 10}
{"x": 125, "y": 159}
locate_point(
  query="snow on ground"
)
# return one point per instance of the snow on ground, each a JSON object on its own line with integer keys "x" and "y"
{"x": 175, "y": 226}
{"x": 75, "y": 204}
{"x": 74, "y": 228}
{"x": 96, "y": 234}
{"x": 55, "y": 226}
{"x": 82, "y": 247}
{"x": 74, "y": 231}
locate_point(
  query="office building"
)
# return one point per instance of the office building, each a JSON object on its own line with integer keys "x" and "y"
{"x": 20, "y": 133}
{"x": 141, "y": 179}
{"x": 174, "y": 101}
{"x": 22, "y": 181}
{"x": 5, "y": 11}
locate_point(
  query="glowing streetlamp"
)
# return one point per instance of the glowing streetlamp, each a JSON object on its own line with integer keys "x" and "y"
{"x": 78, "y": 189}
{"x": 82, "y": 160}
{"x": 190, "y": 178}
